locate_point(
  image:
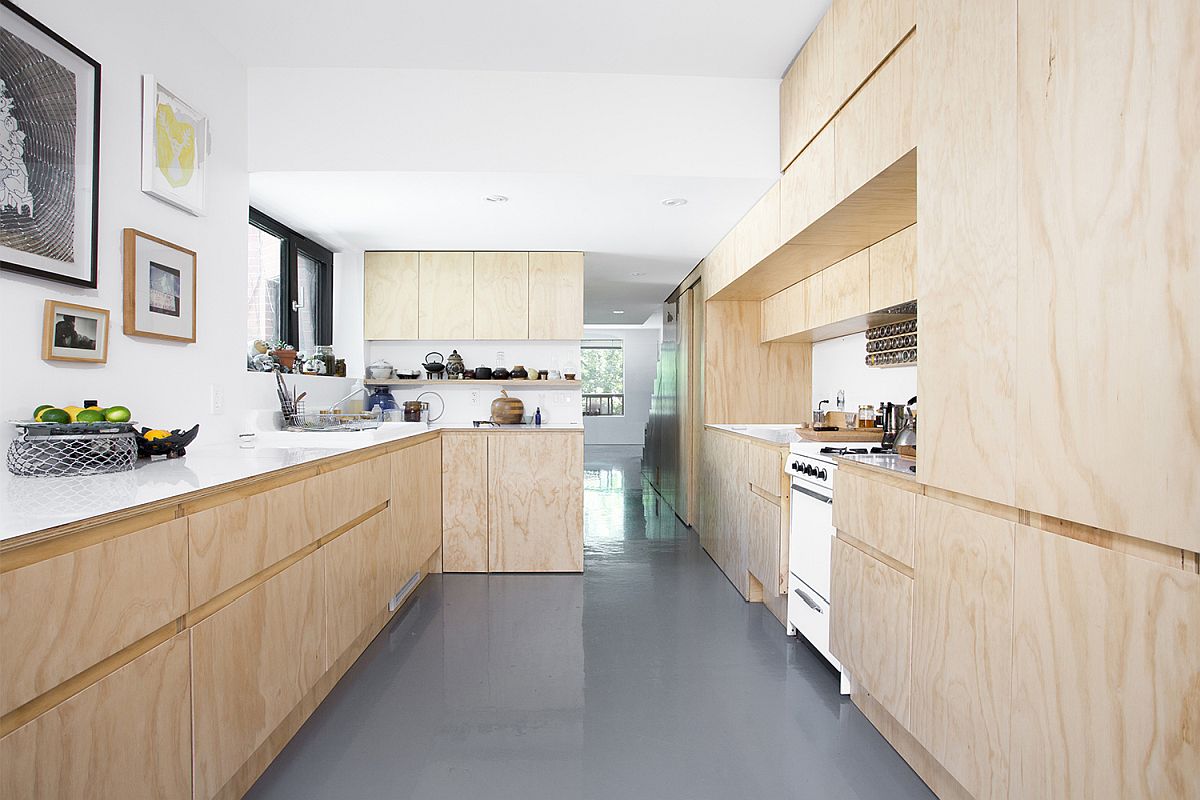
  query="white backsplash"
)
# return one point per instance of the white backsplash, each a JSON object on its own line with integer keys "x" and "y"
{"x": 837, "y": 364}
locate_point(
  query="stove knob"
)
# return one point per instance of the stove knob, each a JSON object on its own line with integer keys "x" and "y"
{"x": 796, "y": 466}
{"x": 822, "y": 474}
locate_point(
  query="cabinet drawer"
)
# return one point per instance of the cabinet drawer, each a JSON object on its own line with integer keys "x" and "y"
{"x": 871, "y": 625}
{"x": 876, "y": 513}
{"x": 765, "y": 467}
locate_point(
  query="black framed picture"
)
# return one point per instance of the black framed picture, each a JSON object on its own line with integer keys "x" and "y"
{"x": 49, "y": 152}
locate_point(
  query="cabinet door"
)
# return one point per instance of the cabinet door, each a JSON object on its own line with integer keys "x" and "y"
{"x": 757, "y": 234}
{"x": 417, "y": 503}
{"x": 807, "y": 188}
{"x": 966, "y": 247}
{"x": 1106, "y": 670}
{"x": 845, "y": 290}
{"x": 763, "y": 543}
{"x": 866, "y": 31}
{"x": 875, "y": 128}
{"x": 446, "y": 297}
{"x": 894, "y": 269}
{"x": 556, "y": 295}
{"x": 362, "y": 569}
{"x": 252, "y": 662}
{"x": 464, "y": 502}
{"x": 535, "y": 502}
{"x": 501, "y": 295}
{"x": 875, "y": 513}
{"x": 962, "y": 643}
{"x": 390, "y": 288}
{"x": 1109, "y": 255}
{"x": 128, "y": 735}
{"x": 870, "y": 625}
{"x": 807, "y": 94}
{"x": 720, "y": 267}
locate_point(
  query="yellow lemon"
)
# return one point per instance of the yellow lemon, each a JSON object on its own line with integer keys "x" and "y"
{"x": 73, "y": 411}
{"x": 150, "y": 436}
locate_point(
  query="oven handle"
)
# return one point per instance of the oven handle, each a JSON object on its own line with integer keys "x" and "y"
{"x": 812, "y": 494}
{"x": 809, "y": 601}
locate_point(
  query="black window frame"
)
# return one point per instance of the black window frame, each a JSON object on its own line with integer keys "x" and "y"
{"x": 289, "y": 279}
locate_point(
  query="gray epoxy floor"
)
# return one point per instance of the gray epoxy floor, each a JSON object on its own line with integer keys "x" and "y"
{"x": 645, "y": 677}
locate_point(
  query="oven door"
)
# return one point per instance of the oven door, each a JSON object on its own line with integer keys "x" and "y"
{"x": 811, "y": 535}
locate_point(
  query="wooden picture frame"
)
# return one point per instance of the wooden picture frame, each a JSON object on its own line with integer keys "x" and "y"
{"x": 64, "y": 339}
{"x": 160, "y": 288}
{"x": 50, "y": 106}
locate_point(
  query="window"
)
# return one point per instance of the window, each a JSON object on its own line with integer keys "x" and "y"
{"x": 289, "y": 286}
{"x": 603, "y": 374}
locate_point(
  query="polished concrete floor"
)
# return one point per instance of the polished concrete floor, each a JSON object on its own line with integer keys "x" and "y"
{"x": 645, "y": 677}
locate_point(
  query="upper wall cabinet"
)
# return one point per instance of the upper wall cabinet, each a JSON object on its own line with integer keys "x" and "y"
{"x": 501, "y": 295}
{"x": 390, "y": 283}
{"x": 867, "y": 31}
{"x": 445, "y": 298}
{"x": 894, "y": 269}
{"x": 556, "y": 295}
{"x": 757, "y": 235}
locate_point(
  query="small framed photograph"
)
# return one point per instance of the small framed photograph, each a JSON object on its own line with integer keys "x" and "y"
{"x": 160, "y": 288}
{"x": 73, "y": 332}
{"x": 174, "y": 148}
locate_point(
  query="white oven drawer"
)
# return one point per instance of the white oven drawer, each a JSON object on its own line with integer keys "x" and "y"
{"x": 808, "y": 613}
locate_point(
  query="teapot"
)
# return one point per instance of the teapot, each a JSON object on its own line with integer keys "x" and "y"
{"x": 434, "y": 366}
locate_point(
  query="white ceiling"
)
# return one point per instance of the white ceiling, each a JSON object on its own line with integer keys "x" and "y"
{"x": 743, "y": 39}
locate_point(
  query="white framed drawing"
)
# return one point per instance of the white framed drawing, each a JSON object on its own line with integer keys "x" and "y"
{"x": 175, "y": 148}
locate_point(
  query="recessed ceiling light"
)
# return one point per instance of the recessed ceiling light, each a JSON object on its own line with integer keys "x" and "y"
{"x": 496, "y": 198}
{"x": 618, "y": 311}
{"x": 671, "y": 202}
{"x": 636, "y": 274}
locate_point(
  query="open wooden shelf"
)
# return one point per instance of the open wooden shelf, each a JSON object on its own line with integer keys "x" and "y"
{"x": 559, "y": 384}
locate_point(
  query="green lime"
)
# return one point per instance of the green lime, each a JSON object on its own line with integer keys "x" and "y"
{"x": 90, "y": 415}
{"x": 55, "y": 415}
{"x": 40, "y": 409}
{"x": 117, "y": 414}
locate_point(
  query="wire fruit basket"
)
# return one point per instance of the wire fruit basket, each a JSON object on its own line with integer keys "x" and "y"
{"x": 61, "y": 449}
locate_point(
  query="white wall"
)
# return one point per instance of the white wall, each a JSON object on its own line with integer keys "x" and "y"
{"x": 641, "y": 359}
{"x": 165, "y": 384}
{"x": 838, "y": 364}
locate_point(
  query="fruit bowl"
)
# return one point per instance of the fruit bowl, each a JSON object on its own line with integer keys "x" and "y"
{"x": 37, "y": 428}
{"x": 172, "y": 446}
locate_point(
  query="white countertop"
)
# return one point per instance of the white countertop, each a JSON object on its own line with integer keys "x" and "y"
{"x": 33, "y": 504}
{"x": 771, "y": 434}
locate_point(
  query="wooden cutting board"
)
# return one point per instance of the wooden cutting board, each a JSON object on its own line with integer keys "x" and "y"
{"x": 843, "y": 435}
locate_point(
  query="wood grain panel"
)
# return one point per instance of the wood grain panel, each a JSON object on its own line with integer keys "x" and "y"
{"x": 894, "y": 269}
{"x": 875, "y": 513}
{"x": 417, "y": 503}
{"x": 501, "y": 292}
{"x": 445, "y": 305}
{"x": 870, "y": 625}
{"x": 348, "y": 492}
{"x": 807, "y": 94}
{"x": 779, "y": 317}
{"x": 756, "y": 236}
{"x": 535, "y": 503}
{"x": 556, "y": 295}
{"x": 390, "y": 287}
{"x": 127, "y": 736}
{"x": 765, "y": 469}
{"x": 733, "y": 510}
{"x": 867, "y": 31}
{"x": 464, "y": 503}
{"x": 242, "y": 692}
{"x": 1106, "y": 674}
{"x": 807, "y": 188}
{"x": 875, "y": 128}
{"x": 762, "y": 545}
{"x": 720, "y": 265}
{"x": 1109, "y": 198}
{"x": 962, "y": 643}
{"x": 845, "y": 290}
{"x": 362, "y": 569}
{"x": 966, "y": 284}
{"x": 60, "y": 616}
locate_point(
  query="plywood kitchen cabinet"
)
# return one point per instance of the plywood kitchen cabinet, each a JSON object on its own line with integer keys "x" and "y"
{"x": 1106, "y": 673}
{"x": 875, "y": 128}
{"x": 808, "y": 187}
{"x": 362, "y": 572}
{"x": 880, "y": 514}
{"x": 894, "y": 269}
{"x": 966, "y": 284}
{"x": 720, "y": 265}
{"x": 464, "y": 502}
{"x": 390, "y": 287}
{"x": 556, "y": 295}
{"x": 445, "y": 300}
{"x": 535, "y": 502}
{"x": 808, "y": 96}
{"x": 962, "y": 643}
{"x": 870, "y": 625}
{"x": 241, "y": 693}
{"x": 1107, "y": 247}
{"x": 756, "y": 236}
{"x": 845, "y": 290}
{"x": 724, "y": 489}
{"x": 866, "y": 32}
{"x": 127, "y": 735}
{"x": 501, "y": 295}
{"x": 416, "y": 503}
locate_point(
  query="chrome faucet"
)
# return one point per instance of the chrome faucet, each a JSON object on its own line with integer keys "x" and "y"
{"x": 359, "y": 388}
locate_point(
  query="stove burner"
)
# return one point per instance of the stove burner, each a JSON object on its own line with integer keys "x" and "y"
{"x": 887, "y": 451}
{"x": 845, "y": 451}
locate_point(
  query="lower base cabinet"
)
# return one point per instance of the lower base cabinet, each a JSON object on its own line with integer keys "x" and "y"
{"x": 464, "y": 502}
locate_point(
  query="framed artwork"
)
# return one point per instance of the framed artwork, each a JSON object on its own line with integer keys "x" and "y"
{"x": 160, "y": 288}
{"x": 49, "y": 152}
{"x": 73, "y": 332}
{"x": 174, "y": 148}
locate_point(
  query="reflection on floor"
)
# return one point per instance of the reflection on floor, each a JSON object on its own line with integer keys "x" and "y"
{"x": 645, "y": 677}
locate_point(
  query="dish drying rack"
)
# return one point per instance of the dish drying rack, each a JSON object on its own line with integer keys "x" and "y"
{"x": 296, "y": 419}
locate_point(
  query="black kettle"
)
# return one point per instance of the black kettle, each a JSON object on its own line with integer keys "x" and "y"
{"x": 434, "y": 366}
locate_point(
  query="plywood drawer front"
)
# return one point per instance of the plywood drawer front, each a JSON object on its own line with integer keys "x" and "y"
{"x": 349, "y": 492}
{"x": 252, "y": 662}
{"x": 362, "y": 567}
{"x": 464, "y": 503}
{"x": 871, "y": 625}
{"x": 389, "y": 295}
{"x": 807, "y": 189}
{"x": 1106, "y": 674}
{"x": 875, "y": 513}
{"x": 62, "y": 615}
{"x": 766, "y": 469}
{"x": 894, "y": 269}
{"x": 127, "y": 736}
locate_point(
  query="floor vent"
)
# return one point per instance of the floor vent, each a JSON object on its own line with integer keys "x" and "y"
{"x": 399, "y": 596}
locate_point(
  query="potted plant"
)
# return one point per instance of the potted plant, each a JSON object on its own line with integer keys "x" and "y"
{"x": 285, "y": 354}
